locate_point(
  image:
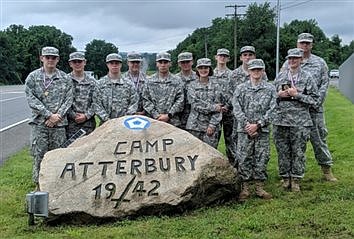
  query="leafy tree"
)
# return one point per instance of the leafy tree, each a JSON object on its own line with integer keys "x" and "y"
{"x": 29, "y": 43}
{"x": 259, "y": 30}
{"x": 95, "y": 54}
{"x": 347, "y": 51}
{"x": 289, "y": 33}
{"x": 7, "y": 61}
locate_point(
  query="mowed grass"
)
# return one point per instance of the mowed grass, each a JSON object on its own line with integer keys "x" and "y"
{"x": 321, "y": 210}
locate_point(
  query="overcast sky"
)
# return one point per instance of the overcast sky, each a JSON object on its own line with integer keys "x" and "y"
{"x": 159, "y": 25}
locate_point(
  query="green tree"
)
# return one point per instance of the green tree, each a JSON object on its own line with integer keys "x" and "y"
{"x": 289, "y": 33}
{"x": 95, "y": 53}
{"x": 29, "y": 43}
{"x": 259, "y": 30}
{"x": 8, "y": 61}
{"x": 347, "y": 51}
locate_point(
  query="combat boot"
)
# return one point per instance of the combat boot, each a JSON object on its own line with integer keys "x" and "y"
{"x": 245, "y": 192}
{"x": 327, "y": 173}
{"x": 260, "y": 192}
{"x": 295, "y": 185}
{"x": 286, "y": 183}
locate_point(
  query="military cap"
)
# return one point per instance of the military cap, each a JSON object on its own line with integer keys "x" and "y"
{"x": 248, "y": 48}
{"x": 305, "y": 37}
{"x": 295, "y": 52}
{"x": 203, "y": 62}
{"x": 255, "y": 64}
{"x": 134, "y": 56}
{"x": 163, "y": 56}
{"x": 50, "y": 51}
{"x": 223, "y": 51}
{"x": 114, "y": 57}
{"x": 77, "y": 56}
{"x": 185, "y": 56}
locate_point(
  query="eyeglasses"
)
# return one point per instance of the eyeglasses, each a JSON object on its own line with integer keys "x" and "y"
{"x": 77, "y": 61}
{"x": 203, "y": 67}
{"x": 50, "y": 57}
{"x": 305, "y": 43}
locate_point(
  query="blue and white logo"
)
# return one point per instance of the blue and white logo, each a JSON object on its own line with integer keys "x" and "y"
{"x": 137, "y": 123}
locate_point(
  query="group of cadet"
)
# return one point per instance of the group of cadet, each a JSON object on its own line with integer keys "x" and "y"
{"x": 242, "y": 104}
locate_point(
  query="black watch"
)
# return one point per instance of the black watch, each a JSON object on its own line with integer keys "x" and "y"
{"x": 169, "y": 115}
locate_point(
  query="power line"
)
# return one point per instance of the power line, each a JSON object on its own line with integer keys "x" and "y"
{"x": 295, "y": 4}
{"x": 235, "y": 15}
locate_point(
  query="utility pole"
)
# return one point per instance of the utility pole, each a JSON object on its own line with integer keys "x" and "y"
{"x": 205, "y": 44}
{"x": 235, "y": 15}
{"x": 278, "y": 39}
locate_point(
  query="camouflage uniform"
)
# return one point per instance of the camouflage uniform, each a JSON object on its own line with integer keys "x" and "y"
{"x": 203, "y": 99}
{"x": 224, "y": 80}
{"x": 115, "y": 98}
{"x": 317, "y": 67}
{"x": 292, "y": 123}
{"x": 187, "y": 80}
{"x": 253, "y": 104}
{"x": 56, "y": 98}
{"x": 164, "y": 97}
{"x": 82, "y": 103}
{"x": 138, "y": 82}
{"x": 239, "y": 76}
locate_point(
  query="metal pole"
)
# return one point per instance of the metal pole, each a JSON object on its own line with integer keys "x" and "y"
{"x": 235, "y": 39}
{"x": 205, "y": 45}
{"x": 278, "y": 39}
{"x": 235, "y": 15}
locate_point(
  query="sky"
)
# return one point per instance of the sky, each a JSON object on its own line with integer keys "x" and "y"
{"x": 159, "y": 25}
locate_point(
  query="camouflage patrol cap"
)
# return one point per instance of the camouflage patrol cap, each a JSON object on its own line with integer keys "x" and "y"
{"x": 134, "y": 56}
{"x": 50, "y": 51}
{"x": 305, "y": 37}
{"x": 77, "y": 56}
{"x": 203, "y": 62}
{"x": 114, "y": 57}
{"x": 247, "y": 48}
{"x": 163, "y": 56}
{"x": 255, "y": 64}
{"x": 223, "y": 51}
{"x": 295, "y": 52}
{"x": 185, "y": 56}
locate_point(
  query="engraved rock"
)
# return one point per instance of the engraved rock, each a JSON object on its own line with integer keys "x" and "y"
{"x": 134, "y": 166}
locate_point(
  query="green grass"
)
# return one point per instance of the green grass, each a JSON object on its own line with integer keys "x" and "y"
{"x": 321, "y": 210}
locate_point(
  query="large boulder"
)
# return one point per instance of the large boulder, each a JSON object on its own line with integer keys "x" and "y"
{"x": 134, "y": 166}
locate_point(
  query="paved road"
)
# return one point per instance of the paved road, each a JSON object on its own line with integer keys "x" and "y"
{"x": 14, "y": 130}
{"x": 13, "y": 105}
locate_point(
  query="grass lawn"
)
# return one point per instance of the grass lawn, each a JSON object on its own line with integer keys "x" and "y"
{"x": 321, "y": 210}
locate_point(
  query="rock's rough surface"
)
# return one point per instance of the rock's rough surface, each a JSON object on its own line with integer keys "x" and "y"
{"x": 134, "y": 166}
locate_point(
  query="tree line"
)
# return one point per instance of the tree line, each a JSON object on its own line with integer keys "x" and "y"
{"x": 20, "y": 47}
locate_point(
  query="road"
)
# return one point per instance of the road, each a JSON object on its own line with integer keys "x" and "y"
{"x": 13, "y": 105}
{"x": 14, "y": 112}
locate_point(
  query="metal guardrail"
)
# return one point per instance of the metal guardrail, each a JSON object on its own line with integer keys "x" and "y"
{"x": 346, "y": 78}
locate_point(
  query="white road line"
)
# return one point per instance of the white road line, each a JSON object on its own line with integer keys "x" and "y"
{"x": 14, "y": 98}
{"x": 12, "y": 92}
{"x": 13, "y": 125}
